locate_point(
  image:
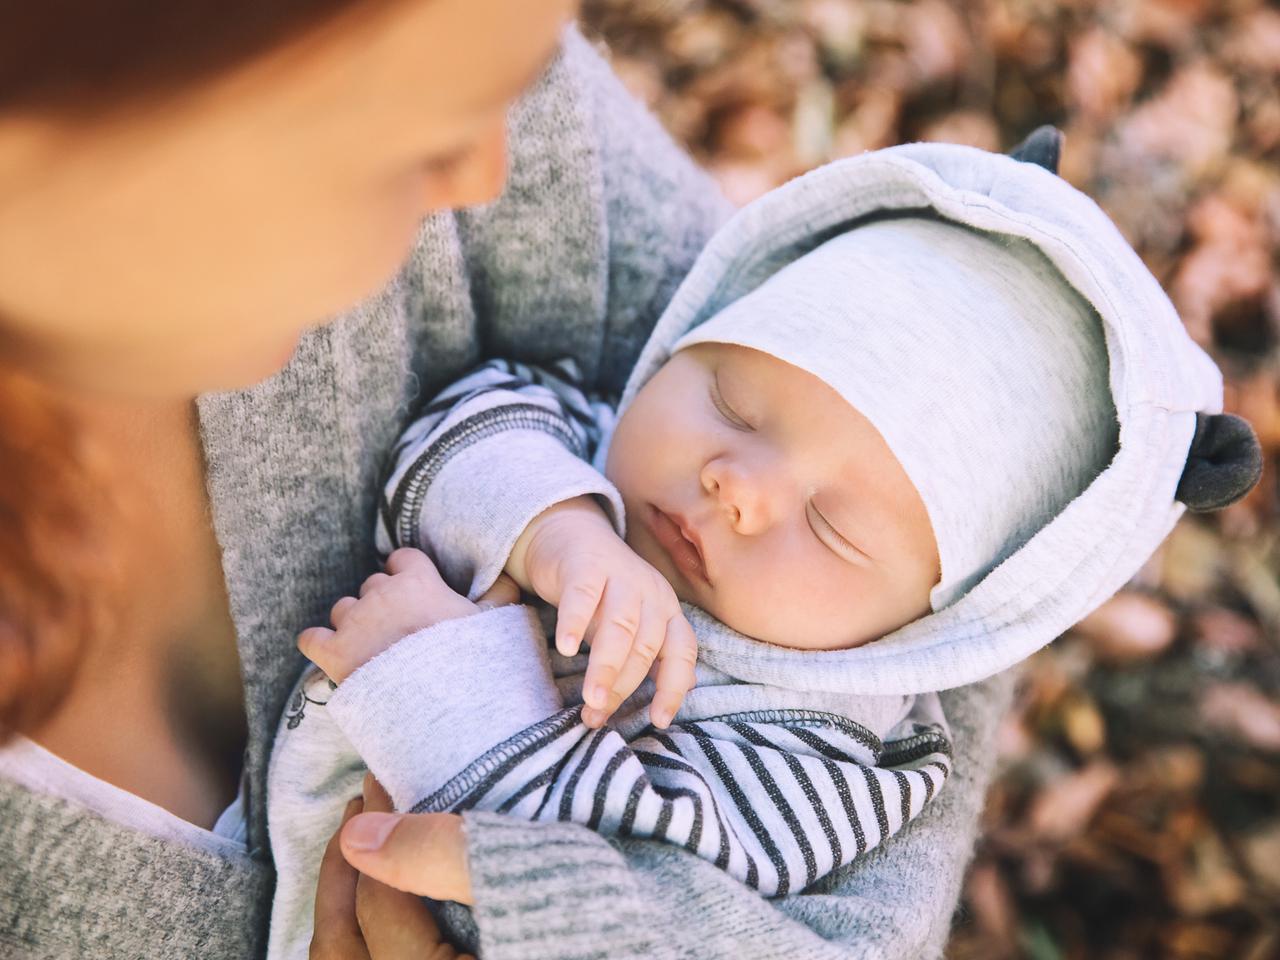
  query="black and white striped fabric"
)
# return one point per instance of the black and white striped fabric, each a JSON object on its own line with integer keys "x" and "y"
{"x": 776, "y": 798}
{"x": 497, "y": 396}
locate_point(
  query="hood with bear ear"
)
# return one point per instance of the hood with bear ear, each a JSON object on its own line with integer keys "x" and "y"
{"x": 1176, "y": 450}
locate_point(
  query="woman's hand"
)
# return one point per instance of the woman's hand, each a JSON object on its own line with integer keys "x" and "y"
{"x": 360, "y": 918}
{"x": 410, "y": 596}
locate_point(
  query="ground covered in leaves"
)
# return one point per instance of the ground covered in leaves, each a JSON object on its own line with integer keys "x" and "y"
{"x": 1137, "y": 813}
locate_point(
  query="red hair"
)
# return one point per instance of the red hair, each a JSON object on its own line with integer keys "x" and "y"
{"x": 79, "y": 55}
{"x": 58, "y": 565}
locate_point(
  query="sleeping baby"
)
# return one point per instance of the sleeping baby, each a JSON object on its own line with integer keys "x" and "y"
{"x": 901, "y": 426}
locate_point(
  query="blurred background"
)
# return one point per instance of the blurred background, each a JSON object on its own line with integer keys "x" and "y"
{"x": 1137, "y": 809}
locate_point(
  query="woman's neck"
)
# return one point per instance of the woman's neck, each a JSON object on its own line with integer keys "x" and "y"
{"x": 156, "y": 707}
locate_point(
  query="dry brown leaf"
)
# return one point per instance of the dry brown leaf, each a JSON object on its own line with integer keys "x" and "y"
{"x": 970, "y": 127}
{"x": 751, "y": 132}
{"x": 994, "y": 912}
{"x": 1244, "y": 712}
{"x": 1082, "y": 724}
{"x": 1102, "y": 74}
{"x": 1225, "y": 631}
{"x": 702, "y": 38}
{"x": 1176, "y": 770}
{"x": 1257, "y": 399}
{"x": 840, "y": 28}
{"x": 1195, "y": 940}
{"x": 1228, "y": 269}
{"x": 1171, "y": 24}
{"x": 936, "y": 40}
{"x": 1262, "y": 125}
{"x": 642, "y": 78}
{"x": 1206, "y": 880}
{"x": 1063, "y": 809}
{"x": 1260, "y": 849}
{"x": 1192, "y": 561}
{"x": 872, "y": 124}
{"x": 1129, "y": 627}
{"x": 1254, "y": 42}
{"x": 813, "y": 123}
{"x": 1013, "y": 35}
{"x": 1191, "y": 122}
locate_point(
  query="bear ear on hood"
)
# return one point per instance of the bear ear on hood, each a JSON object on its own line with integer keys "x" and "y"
{"x": 1042, "y": 146}
{"x": 1225, "y": 459}
{"x": 1223, "y": 464}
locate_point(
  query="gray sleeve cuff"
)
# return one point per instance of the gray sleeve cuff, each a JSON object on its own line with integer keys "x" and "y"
{"x": 422, "y": 710}
{"x": 486, "y": 495}
{"x": 535, "y": 883}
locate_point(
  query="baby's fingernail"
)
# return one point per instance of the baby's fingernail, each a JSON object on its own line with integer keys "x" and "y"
{"x": 597, "y": 695}
{"x": 369, "y": 831}
{"x": 568, "y": 645}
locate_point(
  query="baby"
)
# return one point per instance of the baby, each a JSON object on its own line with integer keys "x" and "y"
{"x": 865, "y": 456}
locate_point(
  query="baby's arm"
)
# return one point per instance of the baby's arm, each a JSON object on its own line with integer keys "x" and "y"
{"x": 493, "y": 475}
{"x": 777, "y": 798}
{"x": 483, "y": 459}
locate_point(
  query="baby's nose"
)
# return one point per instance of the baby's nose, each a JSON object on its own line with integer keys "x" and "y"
{"x": 750, "y": 494}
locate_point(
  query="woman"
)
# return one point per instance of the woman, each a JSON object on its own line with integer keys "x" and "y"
{"x": 184, "y": 191}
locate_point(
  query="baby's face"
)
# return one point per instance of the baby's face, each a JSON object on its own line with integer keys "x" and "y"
{"x": 800, "y": 527}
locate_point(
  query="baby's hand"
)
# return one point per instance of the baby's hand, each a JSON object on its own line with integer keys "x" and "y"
{"x": 410, "y": 596}
{"x": 571, "y": 557}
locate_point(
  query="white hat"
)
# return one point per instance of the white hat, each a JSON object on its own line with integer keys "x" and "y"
{"x": 983, "y": 369}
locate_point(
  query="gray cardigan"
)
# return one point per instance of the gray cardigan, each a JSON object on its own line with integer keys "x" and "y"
{"x": 602, "y": 217}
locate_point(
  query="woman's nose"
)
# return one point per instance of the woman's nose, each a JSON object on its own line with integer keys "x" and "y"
{"x": 749, "y": 493}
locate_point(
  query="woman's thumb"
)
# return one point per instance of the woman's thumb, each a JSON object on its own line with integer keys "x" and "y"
{"x": 421, "y": 853}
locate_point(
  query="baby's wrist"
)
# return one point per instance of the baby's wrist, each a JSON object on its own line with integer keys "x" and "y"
{"x": 530, "y": 556}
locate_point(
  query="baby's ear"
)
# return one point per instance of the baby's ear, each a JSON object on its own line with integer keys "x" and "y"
{"x": 1043, "y": 147}
{"x": 1223, "y": 464}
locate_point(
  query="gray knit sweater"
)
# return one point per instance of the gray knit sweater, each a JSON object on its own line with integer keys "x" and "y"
{"x": 602, "y": 218}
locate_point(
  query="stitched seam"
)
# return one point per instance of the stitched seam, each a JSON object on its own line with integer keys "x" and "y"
{"x": 411, "y": 493}
{"x": 479, "y": 770}
{"x": 784, "y": 717}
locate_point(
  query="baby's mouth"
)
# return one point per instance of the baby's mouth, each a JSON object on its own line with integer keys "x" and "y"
{"x": 683, "y": 552}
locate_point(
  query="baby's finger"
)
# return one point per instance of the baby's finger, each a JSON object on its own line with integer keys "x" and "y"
{"x": 410, "y": 559}
{"x": 314, "y": 642}
{"x": 648, "y": 640}
{"x": 675, "y": 676}
{"x": 619, "y": 621}
{"x": 504, "y": 592}
{"x": 578, "y": 604}
{"x": 371, "y": 581}
{"x": 340, "y": 610}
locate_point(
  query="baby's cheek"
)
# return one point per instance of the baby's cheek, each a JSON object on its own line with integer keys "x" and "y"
{"x": 805, "y": 605}
{"x": 768, "y": 606}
